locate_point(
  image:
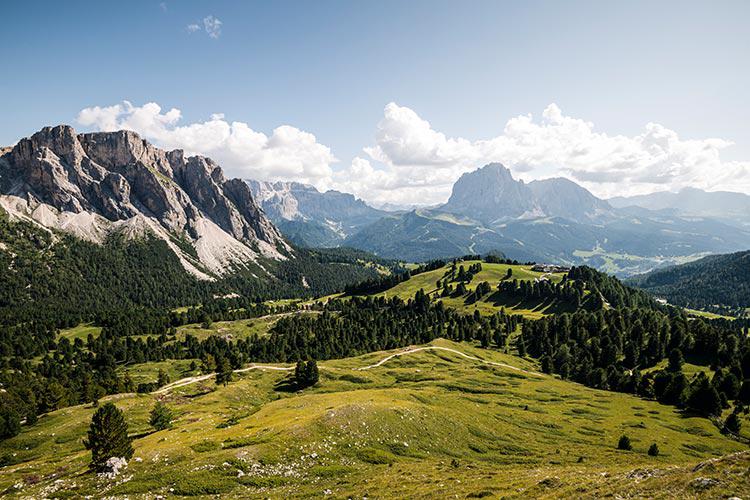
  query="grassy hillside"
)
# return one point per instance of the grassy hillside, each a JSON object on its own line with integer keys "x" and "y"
{"x": 490, "y": 303}
{"x": 472, "y": 423}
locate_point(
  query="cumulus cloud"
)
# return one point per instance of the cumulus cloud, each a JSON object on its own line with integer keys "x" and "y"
{"x": 421, "y": 163}
{"x": 210, "y": 25}
{"x": 411, "y": 163}
{"x": 287, "y": 154}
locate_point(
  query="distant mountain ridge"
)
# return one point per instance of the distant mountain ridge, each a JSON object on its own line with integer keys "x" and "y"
{"x": 96, "y": 184}
{"x": 693, "y": 202}
{"x": 553, "y": 220}
{"x": 312, "y": 218}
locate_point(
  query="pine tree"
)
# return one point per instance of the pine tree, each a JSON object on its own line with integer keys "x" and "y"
{"x": 732, "y": 424}
{"x": 624, "y": 443}
{"x": 108, "y": 437}
{"x": 223, "y": 372}
{"x": 161, "y": 417}
{"x": 675, "y": 360}
{"x": 703, "y": 397}
{"x": 653, "y": 450}
{"x": 311, "y": 373}
{"x": 10, "y": 423}
{"x": 162, "y": 379}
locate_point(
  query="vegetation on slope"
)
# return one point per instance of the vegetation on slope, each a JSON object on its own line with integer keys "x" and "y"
{"x": 417, "y": 425}
{"x": 718, "y": 283}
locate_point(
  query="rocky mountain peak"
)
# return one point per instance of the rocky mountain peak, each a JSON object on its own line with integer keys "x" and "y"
{"x": 491, "y": 194}
{"x": 94, "y": 183}
{"x": 488, "y": 194}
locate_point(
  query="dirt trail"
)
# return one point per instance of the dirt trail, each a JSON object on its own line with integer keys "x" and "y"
{"x": 410, "y": 350}
{"x": 200, "y": 378}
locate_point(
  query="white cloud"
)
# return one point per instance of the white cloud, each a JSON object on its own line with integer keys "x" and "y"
{"x": 411, "y": 163}
{"x": 420, "y": 164}
{"x": 210, "y": 24}
{"x": 287, "y": 154}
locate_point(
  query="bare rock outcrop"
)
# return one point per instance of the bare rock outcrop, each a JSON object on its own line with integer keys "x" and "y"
{"x": 120, "y": 179}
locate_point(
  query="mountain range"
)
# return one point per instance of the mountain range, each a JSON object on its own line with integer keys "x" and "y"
{"x": 553, "y": 220}
{"x": 311, "y": 218}
{"x": 95, "y": 185}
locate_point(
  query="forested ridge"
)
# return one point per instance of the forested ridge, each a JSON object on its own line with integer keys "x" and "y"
{"x": 58, "y": 279}
{"x": 718, "y": 283}
{"x": 612, "y": 342}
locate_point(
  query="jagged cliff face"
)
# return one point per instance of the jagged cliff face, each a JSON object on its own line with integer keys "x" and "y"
{"x": 490, "y": 194}
{"x": 94, "y": 184}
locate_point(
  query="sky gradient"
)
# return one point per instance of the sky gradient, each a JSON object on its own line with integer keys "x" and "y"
{"x": 338, "y": 93}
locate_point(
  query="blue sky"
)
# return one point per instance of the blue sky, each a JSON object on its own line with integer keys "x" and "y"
{"x": 331, "y": 68}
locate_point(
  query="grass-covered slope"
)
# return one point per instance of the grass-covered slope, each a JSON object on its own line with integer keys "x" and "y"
{"x": 456, "y": 420}
{"x": 719, "y": 283}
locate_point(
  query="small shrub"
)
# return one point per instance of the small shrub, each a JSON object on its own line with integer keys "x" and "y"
{"x": 653, "y": 450}
{"x": 624, "y": 443}
{"x": 204, "y": 446}
{"x": 375, "y": 456}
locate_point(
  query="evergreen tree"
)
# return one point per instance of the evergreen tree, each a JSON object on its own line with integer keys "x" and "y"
{"x": 108, "y": 437}
{"x": 653, "y": 450}
{"x": 223, "y": 372}
{"x": 10, "y": 422}
{"x": 704, "y": 398}
{"x": 160, "y": 417}
{"x": 311, "y": 373}
{"x": 624, "y": 443}
{"x": 162, "y": 379}
{"x": 675, "y": 360}
{"x": 732, "y": 424}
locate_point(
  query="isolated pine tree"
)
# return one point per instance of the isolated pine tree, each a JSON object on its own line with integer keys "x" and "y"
{"x": 223, "y": 372}
{"x": 162, "y": 379}
{"x": 108, "y": 437}
{"x": 624, "y": 443}
{"x": 653, "y": 450}
{"x": 161, "y": 417}
{"x": 732, "y": 424}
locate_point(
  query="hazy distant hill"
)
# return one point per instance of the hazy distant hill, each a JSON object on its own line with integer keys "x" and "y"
{"x": 693, "y": 202}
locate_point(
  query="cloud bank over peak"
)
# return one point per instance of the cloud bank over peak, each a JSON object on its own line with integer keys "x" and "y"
{"x": 412, "y": 163}
{"x": 412, "y": 152}
{"x": 288, "y": 153}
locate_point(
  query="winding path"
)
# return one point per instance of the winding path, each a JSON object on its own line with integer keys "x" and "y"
{"x": 412, "y": 350}
{"x": 409, "y": 350}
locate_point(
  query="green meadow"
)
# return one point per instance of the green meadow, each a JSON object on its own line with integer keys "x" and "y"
{"x": 422, "y": 423}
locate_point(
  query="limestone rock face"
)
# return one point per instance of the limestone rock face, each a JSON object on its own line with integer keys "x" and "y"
{"x": 120, "y": 179}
